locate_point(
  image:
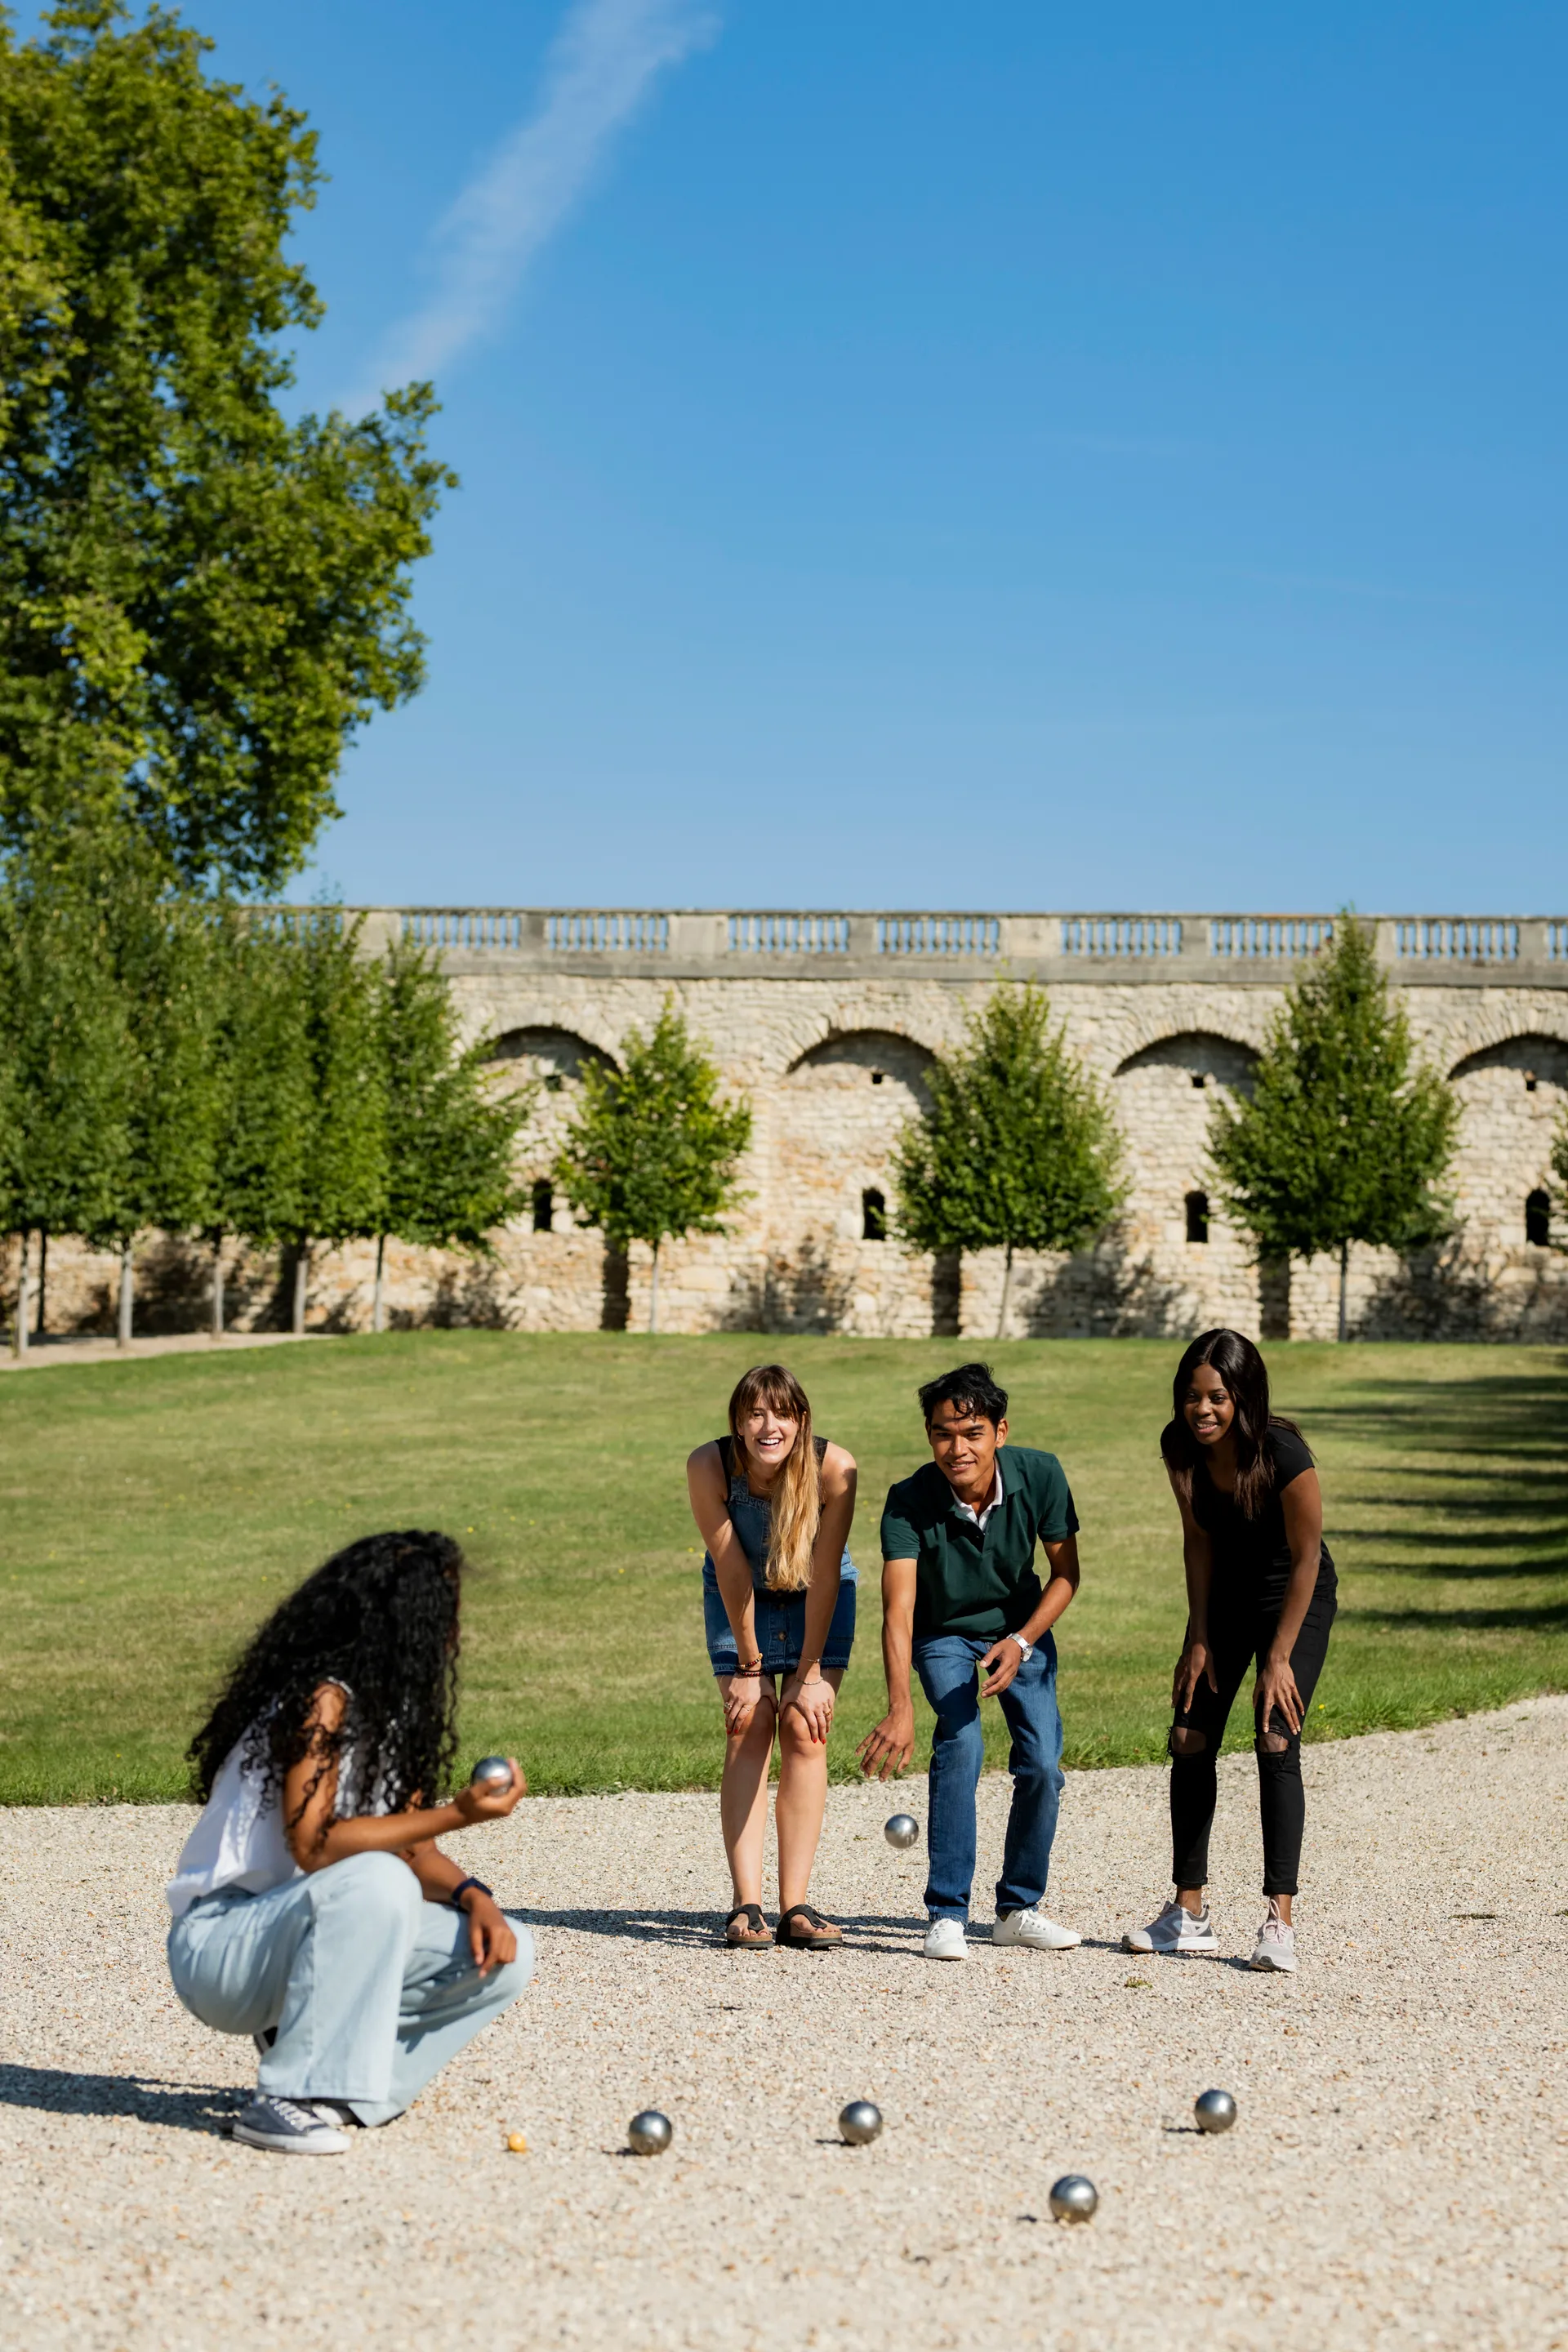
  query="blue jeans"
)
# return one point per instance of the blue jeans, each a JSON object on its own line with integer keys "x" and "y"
{"x": 946, "y": 1665}
{"x": 371, "y": 1988}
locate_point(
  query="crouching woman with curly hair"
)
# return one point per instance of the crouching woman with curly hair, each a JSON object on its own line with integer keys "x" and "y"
{"x": 313, "y": 1909}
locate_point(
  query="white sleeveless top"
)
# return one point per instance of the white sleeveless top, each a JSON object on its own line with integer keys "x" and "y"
{"x": 238, "y": 1838}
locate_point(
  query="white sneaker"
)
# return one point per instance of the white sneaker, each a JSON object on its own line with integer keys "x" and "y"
{"x": 1275, "y": 1946}
{"x": 1032, "y": 1927}
{"x": 1177, "y": 1929}
{"x": 945, "y": 1940}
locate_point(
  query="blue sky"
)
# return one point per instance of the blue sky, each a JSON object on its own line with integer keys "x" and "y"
{"x": 994, "y": 455}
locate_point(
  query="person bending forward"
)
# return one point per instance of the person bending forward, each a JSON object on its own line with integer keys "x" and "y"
{"x": 773, "y": 1506}
{"x": 313, "y": 1909}
{"x": 960, "y": 1599}
{"x": 1261, "y": 1589}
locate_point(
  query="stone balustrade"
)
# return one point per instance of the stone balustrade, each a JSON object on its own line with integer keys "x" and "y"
{"x": 1449, "y": 949}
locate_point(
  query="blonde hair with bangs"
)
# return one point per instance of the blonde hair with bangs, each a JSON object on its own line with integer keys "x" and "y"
{"x": 796, "y": 1499}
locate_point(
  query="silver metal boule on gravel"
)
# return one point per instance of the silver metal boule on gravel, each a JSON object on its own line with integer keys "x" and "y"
{"x": 860, "y": 2122}
{"x": 1213, "y": 2110}
{"x": 491, "y": 1772}
{"x": 649, "y": 2132}
{"x": 903, "y": 1830}
{"x": 1074, "y": 2198}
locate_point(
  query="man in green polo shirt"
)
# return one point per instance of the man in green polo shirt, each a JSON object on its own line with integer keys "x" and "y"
{"x": 960, "y": 1599}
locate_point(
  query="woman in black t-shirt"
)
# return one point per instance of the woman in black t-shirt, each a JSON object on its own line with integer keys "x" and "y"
{"x": 1260, "y": 1586}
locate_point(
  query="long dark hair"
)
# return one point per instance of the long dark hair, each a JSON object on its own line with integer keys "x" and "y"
{"x": 381, "y": 1617}
{"x": 1246, "y": 1376}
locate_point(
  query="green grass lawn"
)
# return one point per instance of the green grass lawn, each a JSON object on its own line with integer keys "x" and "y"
{"x": 154, "y": 1510}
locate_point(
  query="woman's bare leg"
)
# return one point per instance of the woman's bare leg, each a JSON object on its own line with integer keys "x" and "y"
{"x": 801, "y": 1802}
{"x": 743, "y": 1793}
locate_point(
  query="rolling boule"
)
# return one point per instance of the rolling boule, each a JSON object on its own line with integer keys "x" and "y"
{"x": 1074, "y": 2198}
{"x": 1215, "y": 2111}
{"x": 649, "y": 2132}
{"x": 903, "y": 1830}
{"x": 860, "y": 2122}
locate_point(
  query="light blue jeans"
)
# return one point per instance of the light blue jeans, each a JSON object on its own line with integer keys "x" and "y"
{"x": 947, "y": 1664}
{"x": 372, "y": 1989}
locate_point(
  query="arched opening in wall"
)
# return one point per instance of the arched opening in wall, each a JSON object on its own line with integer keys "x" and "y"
{"x": 1198, "y": 1216}
{"x": 1538, "y": 1219}
{"x": 556, "y": 1056}
{"x": 1201, "y": 1055}
{"x": 544, "y": 1206}
{"x": 873, "y": 1215}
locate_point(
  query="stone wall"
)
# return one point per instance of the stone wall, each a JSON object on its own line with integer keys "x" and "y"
{"x": 831, "y": 1044}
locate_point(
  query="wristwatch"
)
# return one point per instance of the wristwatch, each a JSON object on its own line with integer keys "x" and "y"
{"x": 1027, "y": 1648}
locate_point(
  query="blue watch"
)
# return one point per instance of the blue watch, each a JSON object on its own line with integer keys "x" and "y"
{"x": 461, "y": 1888}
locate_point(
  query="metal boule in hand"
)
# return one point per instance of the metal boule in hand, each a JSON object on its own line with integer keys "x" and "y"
{"x": 491, "y": 1773}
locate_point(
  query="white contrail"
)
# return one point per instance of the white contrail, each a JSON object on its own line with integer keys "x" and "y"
{"x": 601, "y": 67}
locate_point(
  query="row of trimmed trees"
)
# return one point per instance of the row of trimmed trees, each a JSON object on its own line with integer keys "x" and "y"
{"x": 1346, "y": 1137}
{"x": 172, "y": 1063}
{"x": 185, "y": 1065}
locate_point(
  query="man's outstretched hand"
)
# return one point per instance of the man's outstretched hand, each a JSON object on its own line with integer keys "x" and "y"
{"x": 888, "y": 1748}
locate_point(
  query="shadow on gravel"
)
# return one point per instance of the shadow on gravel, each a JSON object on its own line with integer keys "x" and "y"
{"x": 180, "y": 2106}
{"x": 704, "y": 1930}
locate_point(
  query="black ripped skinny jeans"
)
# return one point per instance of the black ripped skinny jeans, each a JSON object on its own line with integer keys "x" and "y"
{"x": 1242, "y": 1623}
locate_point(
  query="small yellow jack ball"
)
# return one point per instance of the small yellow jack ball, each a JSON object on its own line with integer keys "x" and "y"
{"x": 517, "y": 2144}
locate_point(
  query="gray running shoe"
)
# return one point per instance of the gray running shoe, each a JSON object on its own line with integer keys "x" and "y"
{"x": 287, "y": 2128}
{"x": 1275, "y": 1946}
{"x": 1177, "y": 1929}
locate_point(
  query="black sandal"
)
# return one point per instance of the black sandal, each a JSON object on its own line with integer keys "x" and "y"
{"x": 819, "y": 1936}
{"x": 755, "y": 1936}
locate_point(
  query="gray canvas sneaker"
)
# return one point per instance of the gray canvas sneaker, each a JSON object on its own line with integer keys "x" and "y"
{"x": 287, "y": 2128}
{"x": 1177, "y": 1929}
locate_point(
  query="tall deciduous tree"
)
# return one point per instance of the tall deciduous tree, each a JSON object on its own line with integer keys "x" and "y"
{"x": 343, "y": 1191}
{"x": 65, "y": 1150}
{"x": 450, "y": 1144}
{"x": 651, "y": 1154}
{"x": 165, "y": 950}
{"x": 200, "y": 598}
{"x": 1347, "y": 1136}
{"x": 1017, "y": 1148}
{"x": 265, "y": 1091}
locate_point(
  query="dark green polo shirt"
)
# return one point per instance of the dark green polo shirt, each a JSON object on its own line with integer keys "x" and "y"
{"x": 971, "y": 1582}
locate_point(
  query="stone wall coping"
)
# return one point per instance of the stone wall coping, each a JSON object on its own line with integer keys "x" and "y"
{"x": 709, "y": 943}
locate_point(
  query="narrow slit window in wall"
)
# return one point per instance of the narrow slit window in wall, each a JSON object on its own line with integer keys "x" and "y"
{"x": 1198, "y": 1216}
{"x": 873, "y": 1216}
{"x": 543, "y": 1207}
{"x": 1538, "y": 1219}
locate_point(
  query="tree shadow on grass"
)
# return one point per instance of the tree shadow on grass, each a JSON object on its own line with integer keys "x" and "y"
{"x": 179, "y": 2107}
{"x": 1520, "y": 1617}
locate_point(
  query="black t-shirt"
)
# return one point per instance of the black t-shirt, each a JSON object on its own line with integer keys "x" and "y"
{"x": 1255, "y": 1551}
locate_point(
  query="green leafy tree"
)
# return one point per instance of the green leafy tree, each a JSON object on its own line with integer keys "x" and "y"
{"x": 264, "y": 1088}
{"x": 200, "y": 599}
{"x": 450, "y": 1145}
{"x": 343, "y": 1190}
{"x": 1347, "y": 1136}
{"x": 164, "y": 952}
{"x": 651, "y": 1154}
{"x": 1017, "y": 1149}
{"x": 65, "y": 1149}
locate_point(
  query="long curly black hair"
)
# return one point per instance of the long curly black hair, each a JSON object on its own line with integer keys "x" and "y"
{"x": 381, "y": 1617}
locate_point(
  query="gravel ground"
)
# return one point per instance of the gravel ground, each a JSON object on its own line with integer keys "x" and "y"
{"x": 1398, "y": 2175}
